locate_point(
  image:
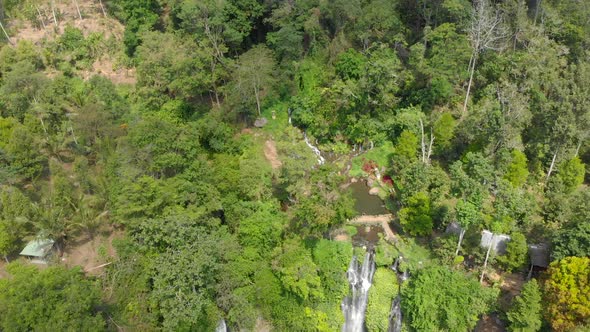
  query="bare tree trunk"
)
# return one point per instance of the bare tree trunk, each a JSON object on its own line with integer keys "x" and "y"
{"x": 430, "y": 146}
{"x": 256, "y": 93}
{"x": 578, "y": 149}
{"x": 485, "y": 263}
{"x": 77, "y": 8}
{"x": 537, "y": 10}
{"x": 41, "y": 18}
{"x": 6, "y": 34}
{"x": 102, "y": 7}
{"x": 551, "y": 167}
{"x": 73, "y": 134}
{"x": 471, "y": 72}
{"x": 53, "y": 11}
{"x": 422, "y": 144}
{"x": 6, "y": 259}
{"x": 460, "y": 240}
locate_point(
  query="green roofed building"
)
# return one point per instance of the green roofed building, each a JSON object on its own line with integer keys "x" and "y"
{"x": 38, "y": 250}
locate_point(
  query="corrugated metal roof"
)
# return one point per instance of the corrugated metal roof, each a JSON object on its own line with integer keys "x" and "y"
{"x": 497, "y": 241}
{"x": 38, "y": 248}
{"x": 539, "y": 254}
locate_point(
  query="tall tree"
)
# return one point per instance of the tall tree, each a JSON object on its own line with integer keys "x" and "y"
{"x": 525, "y": 312}
{"x": 486, "y": 32}
{"x": 567, "y": 293}
{"x": 253, "y": 78}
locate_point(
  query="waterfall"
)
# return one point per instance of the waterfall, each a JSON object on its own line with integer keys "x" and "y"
{"x": 315, "y": 150}
{"x": 354, "y": 306}
{"x": 221, "y": 327}
{"x": 395, "y": 316}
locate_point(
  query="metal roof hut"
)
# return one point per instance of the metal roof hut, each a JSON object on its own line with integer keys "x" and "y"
{"x": 38, "y": 250}
{"x": 498, "y": 242}
{"x": 539, "y": 255}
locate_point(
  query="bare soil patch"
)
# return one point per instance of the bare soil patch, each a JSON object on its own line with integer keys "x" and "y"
{"x": 89, "y": 253}
{"x": 270, "y": 152}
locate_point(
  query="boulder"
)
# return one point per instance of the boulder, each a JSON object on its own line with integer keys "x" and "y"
{"x": 374, "y": 191}
{"x": 260, "y": 122}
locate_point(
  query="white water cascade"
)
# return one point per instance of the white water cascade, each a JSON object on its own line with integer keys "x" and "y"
{"x": 221, "y": 326}
{"x": 395, "y": 316}
{"x": 315, "y": 150}
{"x": 360, "y": 278}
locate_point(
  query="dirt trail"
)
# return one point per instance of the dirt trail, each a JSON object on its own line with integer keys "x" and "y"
{"x": 270, "y": 152}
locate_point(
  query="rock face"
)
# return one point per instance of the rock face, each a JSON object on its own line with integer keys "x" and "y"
{"x": 374, "y": 191}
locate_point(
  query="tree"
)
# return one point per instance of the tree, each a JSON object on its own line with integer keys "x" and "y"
{"x": 567, "y": 293}
{"x": 486, "y": 32}
{"x": 23, "y": 153}
{"x": 440, "y": 299}
{"x": 516, "y": 253}
{"x": 406, "y": 147}
{"x": 572, "y": 240}
{"x": 297, "y": 271}
{"x": 253, "y": 78}
{"x": 53, "y": 299}
{"x": 180, "y": 74}
{"x": 571, "y": 172}
{"x": 467, "y": 215}
{"x": 525, "y": 312}
{"x": 415, "y": 218}
{"x": 517, "y": 172}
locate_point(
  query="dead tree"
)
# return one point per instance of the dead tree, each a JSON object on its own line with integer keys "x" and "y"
{"x": 485, "y": 33}
{"x": 40, "y": 17}
{"x": 53, "y": 12}
{"x": 77, "y": 8}
{"x": 426, "y": 151}
{"x": 102, "y": 7}
{"x": 6, "y": 34}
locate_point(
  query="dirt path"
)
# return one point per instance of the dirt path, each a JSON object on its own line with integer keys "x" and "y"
{"x": 380, "y": 219}
{"x": 270, "y": 152}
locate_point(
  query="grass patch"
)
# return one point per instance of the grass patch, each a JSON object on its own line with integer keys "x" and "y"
{"x": 277, "y": 126}
{"x": 351, "y": 230}
{"x": 415, "y": 255}
{"x": 381, "y": 155}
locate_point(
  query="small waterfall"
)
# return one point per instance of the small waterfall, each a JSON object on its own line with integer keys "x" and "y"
{"x": 354, "y": 306}
{"x": 221, "y": 326}
{"x": 395, "y": 316}
{"x": 315, "y": 150}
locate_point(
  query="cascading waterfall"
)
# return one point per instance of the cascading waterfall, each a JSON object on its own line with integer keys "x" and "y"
{"x": 221, "y": 326}
{"x": 360, "y": 278}
{"x": 315, "y": 150}
{"x": 395, "y": 316}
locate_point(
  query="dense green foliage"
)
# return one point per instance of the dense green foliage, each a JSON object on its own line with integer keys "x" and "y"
{"x": 474, "y": 112}
{"x": 52, "y": 299}
{"x": 525, "y": 314}
{"x": 438, "y": 298}
{"x": 567, "y": 292}
{"x": 382, "y": 293}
